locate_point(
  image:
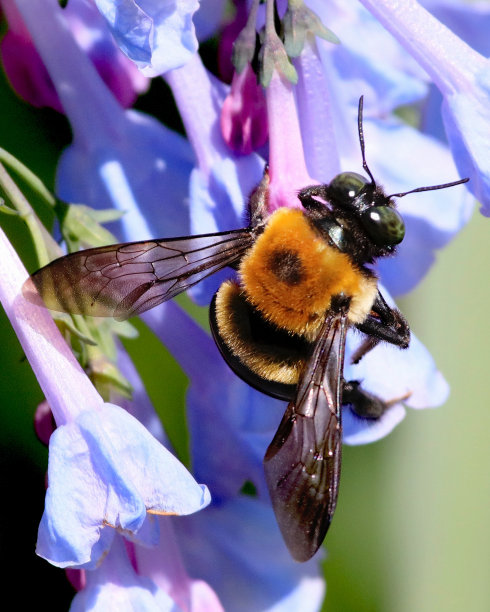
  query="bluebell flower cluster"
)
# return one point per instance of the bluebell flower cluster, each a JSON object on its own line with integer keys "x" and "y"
{"x": 113, "y": 482}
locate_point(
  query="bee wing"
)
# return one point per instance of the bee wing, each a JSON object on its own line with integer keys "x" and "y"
{"x": 124, "y": 280}
{"x": 302, "y": 463}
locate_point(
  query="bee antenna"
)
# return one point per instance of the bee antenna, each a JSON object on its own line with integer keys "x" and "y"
{"x": 430, "y": 188}
{"x": 361, "y": 140}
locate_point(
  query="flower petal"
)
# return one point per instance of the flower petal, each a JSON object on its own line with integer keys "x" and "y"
{"x": 149, "y": 183}
{"x": 251, "y": 567}
{"x": 392, "y": 373}
{"x": 106, "y": 470}
{"x": 116, "y": 586}
{"x": 157, "y": 35}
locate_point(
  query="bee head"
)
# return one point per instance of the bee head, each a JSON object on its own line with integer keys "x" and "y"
{"x": 353, "y": 196}
{"x": 356, "y": 214}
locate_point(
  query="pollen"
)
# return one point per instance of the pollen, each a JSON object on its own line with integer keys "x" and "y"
{"x": 291, "y": 273}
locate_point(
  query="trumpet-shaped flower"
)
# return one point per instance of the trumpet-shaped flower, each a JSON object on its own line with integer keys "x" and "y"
{"x": 115, "y": 585}
{"x": 243, "y": 118}
{"x": 158, "y": 36}
{"x": 463, "y": 77}
{"x": 31, "y": 80}
{"x": 106, "y": 471}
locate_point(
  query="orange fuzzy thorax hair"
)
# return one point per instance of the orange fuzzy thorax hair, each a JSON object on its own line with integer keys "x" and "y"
{"x": 291, "y": 274}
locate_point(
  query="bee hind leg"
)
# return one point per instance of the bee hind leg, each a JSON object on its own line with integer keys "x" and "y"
{"x": 365, "y": 404}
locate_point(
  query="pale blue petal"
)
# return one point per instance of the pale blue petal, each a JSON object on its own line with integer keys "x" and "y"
{"x": 226, "y": 418}
{"x": 144, "y": 173}
{"x": 208, "y": 19}
{"x": 106, "y": 471}
{"x": 466, "y": 119}
{"x": 116, "y": 586}
{"x": 355, "y": 65}
{"x": 158, "y": 35}
{"x": 469, "y": 21}
{"x": 392, "y": 373}
{"x": 218, "y": 203}
{"x": 251, "y": 568}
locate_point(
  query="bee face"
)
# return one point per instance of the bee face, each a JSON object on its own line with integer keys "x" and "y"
{"x": 352, "y": 193}
{"x": 357, "y": 217}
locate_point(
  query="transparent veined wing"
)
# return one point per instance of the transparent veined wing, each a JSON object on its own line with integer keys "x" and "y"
{"x": 124, "y": 280}
{"x": 302, "y": 463}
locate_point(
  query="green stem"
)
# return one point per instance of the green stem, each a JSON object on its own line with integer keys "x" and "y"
{"x": 46, "y": 247}
{"x": 33, "y": 181}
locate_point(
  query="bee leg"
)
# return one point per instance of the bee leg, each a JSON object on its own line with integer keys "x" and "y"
{"x": 365, "y": 404}
{"x": 307, "y": 197}
{"x": 385, "y": 323}
{"x": 257, "y": 203}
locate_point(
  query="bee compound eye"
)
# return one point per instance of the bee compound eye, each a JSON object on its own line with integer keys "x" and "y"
{"x": 384, "y": 225}
{"x": 345, "y": 187}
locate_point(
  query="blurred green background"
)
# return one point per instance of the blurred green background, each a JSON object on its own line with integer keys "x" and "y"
{"x": 412, "y": 528}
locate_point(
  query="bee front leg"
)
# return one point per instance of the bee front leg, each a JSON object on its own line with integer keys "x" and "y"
{"x": 384, "y": 324}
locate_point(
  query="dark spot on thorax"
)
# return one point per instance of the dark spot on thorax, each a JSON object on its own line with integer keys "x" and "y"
{"x": 286, "y": 266}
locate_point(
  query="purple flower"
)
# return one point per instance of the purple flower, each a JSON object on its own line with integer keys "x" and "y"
{"x": 243, "y": 117}
{"x": 106, "y": 472}
{"x": 29, "y": 77}
{"x": 171, "y": 186}
{"x": 157, "y": 36}
{"x": 115, "y": 585}
{"x": 461, "y": 74}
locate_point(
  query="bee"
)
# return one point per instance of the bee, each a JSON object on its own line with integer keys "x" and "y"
{"x": 304, "y": 279}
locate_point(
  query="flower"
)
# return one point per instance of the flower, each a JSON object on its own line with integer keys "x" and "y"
{"x": 106, "y": 471}
{"x": 463, "y": 77}
{"x": 172, "y": 186}
{"x": 90, "y": 170}
{"x": 29, "y": 76}
{"x": 116, "y": 584}
{"x": 243, "y": 118}
{"x": 106, "y": 474}
{"x": 158, "y": 36}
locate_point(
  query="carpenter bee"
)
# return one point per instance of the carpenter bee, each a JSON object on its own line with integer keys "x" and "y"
{"x": 304, "y": 279}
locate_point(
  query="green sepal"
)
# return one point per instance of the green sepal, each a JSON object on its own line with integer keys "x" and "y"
{"x": 106, "y": 376}
{"x": 6, "y": 210}
{"x": 244, "y": 49}
{"x": 273, "y": 56}
{"x": 81, "y": 225}
{"x": 299, "y": 21}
